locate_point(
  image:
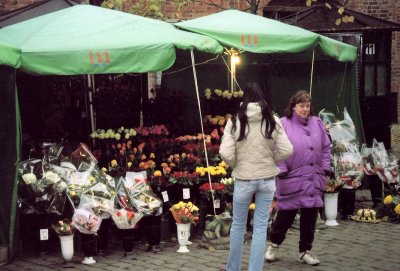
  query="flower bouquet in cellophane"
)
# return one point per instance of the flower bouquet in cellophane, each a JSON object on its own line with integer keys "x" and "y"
{"x": 139, "y": 196}
{"x": 86, "y": 221}
{"x": 385, "y": 165}
{"x": 40, "y": 190}
{"x": 185, "y": 212}
{"x": 125, "y": 219}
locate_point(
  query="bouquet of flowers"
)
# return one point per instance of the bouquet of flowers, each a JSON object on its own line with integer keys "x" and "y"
{"x": 125, "y": 219}
{"x": 185, "y": 212}
{"x": 217, "y": 188}
{"x": 86, "y": 221}
{"x": 139, "y": 196}
{"x": 40, "y": 190}
{"x": 64, "y": 227}
{"x": 368, "y": 160}
{"x": 349, "y": 169}
{"x": 333, "y": 185}
{"x": 385, "y": 166}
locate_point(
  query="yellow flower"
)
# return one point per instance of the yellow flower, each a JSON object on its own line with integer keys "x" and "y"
{"x": 252, "y": 206}
{"x": 129, "y": 164}
{"x": 388, "y": 200}
{"x": 157, "y": 173}
{"x": 114, "y": 163}
{"x": 222, "y": 164}
{"x": 397, "y": 209}
{"x": 104, "y": 169}
{"x": 91, "y": 179}
{"x": 152, "y": 156}
{"x": 72, "y": 193}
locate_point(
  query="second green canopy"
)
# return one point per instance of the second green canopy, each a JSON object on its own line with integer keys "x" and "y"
{"x": 258, "y": 34}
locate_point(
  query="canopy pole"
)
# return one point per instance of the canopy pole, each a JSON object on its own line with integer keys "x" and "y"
{"x": 202, "y": 128}
{"x": 312, "y": 71}
{"x": 91, "y": 88}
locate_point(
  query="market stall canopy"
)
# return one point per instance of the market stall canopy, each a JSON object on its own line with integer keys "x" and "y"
{"x": 85, "y": 39}
{"x": 257, "y": 34}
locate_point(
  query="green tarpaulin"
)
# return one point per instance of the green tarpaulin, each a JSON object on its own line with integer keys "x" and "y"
{"x": 256, "y": 34}
{"x": 85, "y": 39}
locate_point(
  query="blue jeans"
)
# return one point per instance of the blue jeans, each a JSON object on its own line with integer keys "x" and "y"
{"x": 263, "y": 189}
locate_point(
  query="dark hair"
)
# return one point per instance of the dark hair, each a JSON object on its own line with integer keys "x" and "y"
{"x": 254, "y": 94}
{"x": 301, "y": 96}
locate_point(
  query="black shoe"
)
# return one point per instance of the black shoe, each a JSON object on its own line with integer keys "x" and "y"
{"x": 101, "y": 253}
{"x": 131, "y": 255}
{"x": 154, "y": 249}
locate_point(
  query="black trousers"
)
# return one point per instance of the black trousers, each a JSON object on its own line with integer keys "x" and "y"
{"x": 284, "y": 219}
{"x": 347, "y": 202}
{"x": 375, "y": 185}
{"x": 150, "y": 227}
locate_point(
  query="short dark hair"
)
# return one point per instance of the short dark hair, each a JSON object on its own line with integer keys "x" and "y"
{"x": 301, "y": 96}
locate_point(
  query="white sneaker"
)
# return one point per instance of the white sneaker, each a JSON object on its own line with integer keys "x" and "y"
{"x": 271, "y": 253}
{"x": 88, "y": 260}
{"x": 306, "y": 257}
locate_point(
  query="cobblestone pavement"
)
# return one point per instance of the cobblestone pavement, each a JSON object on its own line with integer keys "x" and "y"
{"x": 351, "y": 246}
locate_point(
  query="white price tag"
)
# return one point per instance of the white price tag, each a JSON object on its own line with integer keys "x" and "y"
{"x": 217, "y": 204}
{"x": 165, "y": 196}
{"x": 186, "y": 193}
{"x": 44, "y": 234}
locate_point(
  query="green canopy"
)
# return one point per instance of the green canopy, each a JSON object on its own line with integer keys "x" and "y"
{"x": 85, "y": 39}
{"x": 258, "y": 34}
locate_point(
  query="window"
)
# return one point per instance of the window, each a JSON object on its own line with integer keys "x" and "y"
{"x": 376, "y": 58}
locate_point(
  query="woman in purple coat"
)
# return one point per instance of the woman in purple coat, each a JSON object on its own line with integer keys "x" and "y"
{"x": 302, "y": 178}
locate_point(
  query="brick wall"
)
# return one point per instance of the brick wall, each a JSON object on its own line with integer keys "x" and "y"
{"x": 7, "y": 5}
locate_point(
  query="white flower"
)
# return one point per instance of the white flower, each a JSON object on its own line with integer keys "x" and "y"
{"x": 94, "y": 134}
{"x": 126, "y": 136}
{"x": 117, "y": 136}
{"x": 62, "y": 186}
{"x": 52, "y": 177}
{"x": 29, "y": 178}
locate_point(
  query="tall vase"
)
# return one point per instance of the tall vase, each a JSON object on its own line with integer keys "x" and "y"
{"x": 183, "y": 231}
{"x": 331, "y": 206}
{"x": 67, "y": 247}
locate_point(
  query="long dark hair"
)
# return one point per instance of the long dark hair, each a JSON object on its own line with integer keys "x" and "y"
{"x": 301, "y": 96}
{"x": 254, "y": 94}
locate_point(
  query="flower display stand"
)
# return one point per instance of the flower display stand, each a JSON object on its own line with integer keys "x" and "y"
{"x": 67, "y": 247}
{"x": 331, "y": 206}
{"x": 183, "y": 231}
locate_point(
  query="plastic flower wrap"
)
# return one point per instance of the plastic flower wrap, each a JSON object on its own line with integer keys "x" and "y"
{"x": 93, "y": 185}
{"x": 98, "y": 198}
{"x": 185, "y": 212}
{"x": 386, "y": 166}
{"x": 349, "y": 169}
{"x": 340, "y": 130}
{"x": 86, "y": 221}
{"x": 139, "y": 196}
{"x": 333, "y": 185}
{"x": 125, "y": 219}
{"x": 40, "y": 191}
{"x": 368, "y": 160}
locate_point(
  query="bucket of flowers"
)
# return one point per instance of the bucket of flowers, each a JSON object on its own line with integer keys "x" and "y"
{"x": 65, "y": 230}
{"x": 185, "y": 214}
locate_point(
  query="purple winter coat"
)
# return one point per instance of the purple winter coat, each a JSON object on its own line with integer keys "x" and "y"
{"x": 305, "y": 182}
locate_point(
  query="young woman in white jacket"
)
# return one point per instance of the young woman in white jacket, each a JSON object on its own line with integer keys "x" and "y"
{"x": 253, "y": 143}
